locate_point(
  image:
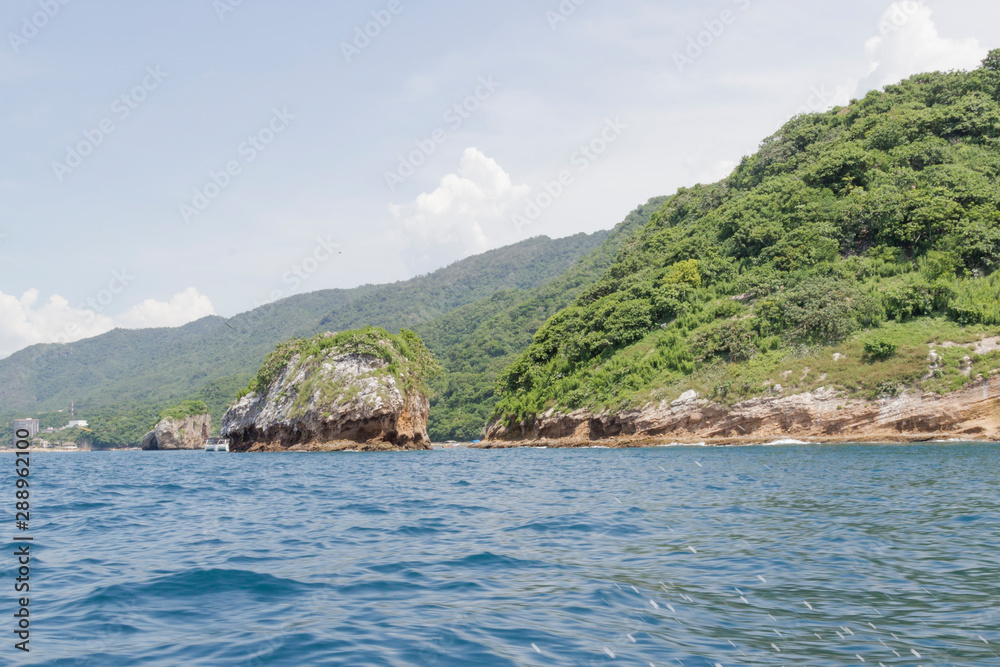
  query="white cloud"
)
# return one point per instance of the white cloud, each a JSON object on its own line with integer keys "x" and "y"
{"x": 710, "y": 173}
{"x": 909, "y": 43}
{"x": 23, "y": 322}
{"x": 469, "y": 212}
{"x": 182, "y": 308}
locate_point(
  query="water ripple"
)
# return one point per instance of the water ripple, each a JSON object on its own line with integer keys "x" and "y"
{"x": 783, "y": 555}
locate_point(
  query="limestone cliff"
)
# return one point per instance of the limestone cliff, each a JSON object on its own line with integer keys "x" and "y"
{"x": 184, "y": 433}
{"x": 337, "y": 391}
{"x": 822, "y": 415}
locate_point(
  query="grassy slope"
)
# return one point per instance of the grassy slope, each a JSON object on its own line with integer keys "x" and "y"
{"x": 875, "y": 222}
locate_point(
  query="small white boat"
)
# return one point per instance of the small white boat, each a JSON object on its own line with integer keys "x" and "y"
{"x": 217, "y": 445}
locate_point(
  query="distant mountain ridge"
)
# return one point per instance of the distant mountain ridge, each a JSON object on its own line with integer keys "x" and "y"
{"x": 129, "y": 367}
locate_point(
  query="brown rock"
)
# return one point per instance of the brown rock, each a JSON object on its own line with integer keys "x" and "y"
{"x": 334, "y": 401}
{"x": 822, "y": 415}
{"x": 176, "y": 434}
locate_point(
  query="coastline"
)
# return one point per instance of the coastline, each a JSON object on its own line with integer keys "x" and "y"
{"x": 749, "y": 441}
{"x": 330, "y": 446}
{"x": 824, "y": 415}
{"x": 572, "y": 443}
{"x": 38, "y": 450}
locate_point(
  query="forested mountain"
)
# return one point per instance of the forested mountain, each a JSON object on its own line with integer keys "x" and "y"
{"x": 851, "y": 242}
{"x": 124, "y": 378}
{"x": 475, "y": 342}
{"x": 834, "y": 257}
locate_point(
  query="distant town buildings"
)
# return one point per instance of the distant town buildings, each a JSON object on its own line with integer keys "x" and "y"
{"x": 33, "y": 428}
{"x": 29, "y": 425}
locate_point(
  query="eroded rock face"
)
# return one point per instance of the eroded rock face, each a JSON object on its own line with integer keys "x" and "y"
{"x": 340, "y": 401}
{"x": 176, "y": 434}
{"x": 822, "y": 415}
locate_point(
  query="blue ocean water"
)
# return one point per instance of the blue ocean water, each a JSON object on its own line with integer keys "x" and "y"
{"x": 784, "y": 555}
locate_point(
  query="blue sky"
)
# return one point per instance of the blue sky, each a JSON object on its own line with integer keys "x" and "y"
{"x": 164, "y": 161}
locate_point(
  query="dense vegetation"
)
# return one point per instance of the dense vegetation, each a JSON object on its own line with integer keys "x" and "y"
{"x": 107, "y": 428}
{"x": 184, "y": 409}
{"x": 475, "y": 342}
{"x": 851, "y": 241}
{"x": 122, "y": 380}
{"x": 867, "y": 232}
{"x": 121, "y": 426}
{"x": 405, "y": 358}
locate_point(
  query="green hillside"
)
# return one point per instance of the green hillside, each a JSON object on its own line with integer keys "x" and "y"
{"x": 475, "y": 342}
{"x": 851, "y": 241}
{"x": 123, "y": 379}
{"x": 405, "y": 305}
{"x": 869, "y": 231}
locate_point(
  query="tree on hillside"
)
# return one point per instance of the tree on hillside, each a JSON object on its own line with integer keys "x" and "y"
{"x": 992, "y": 61}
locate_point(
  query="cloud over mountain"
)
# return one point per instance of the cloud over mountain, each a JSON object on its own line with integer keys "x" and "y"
{"x": 25, "y": 322}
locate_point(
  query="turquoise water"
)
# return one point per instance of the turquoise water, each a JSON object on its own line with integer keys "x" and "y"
{"x": 785, "y": 555}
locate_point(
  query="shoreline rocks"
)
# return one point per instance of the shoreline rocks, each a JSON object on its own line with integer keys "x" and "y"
{"x": 824, "y": 415}
{"x": 179, "y": 434}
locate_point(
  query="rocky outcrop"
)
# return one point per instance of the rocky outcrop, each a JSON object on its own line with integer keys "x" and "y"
{"x": 335, "y": 400}
{"x": 823, "y": 415}
{"x": 174, "y": 434}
